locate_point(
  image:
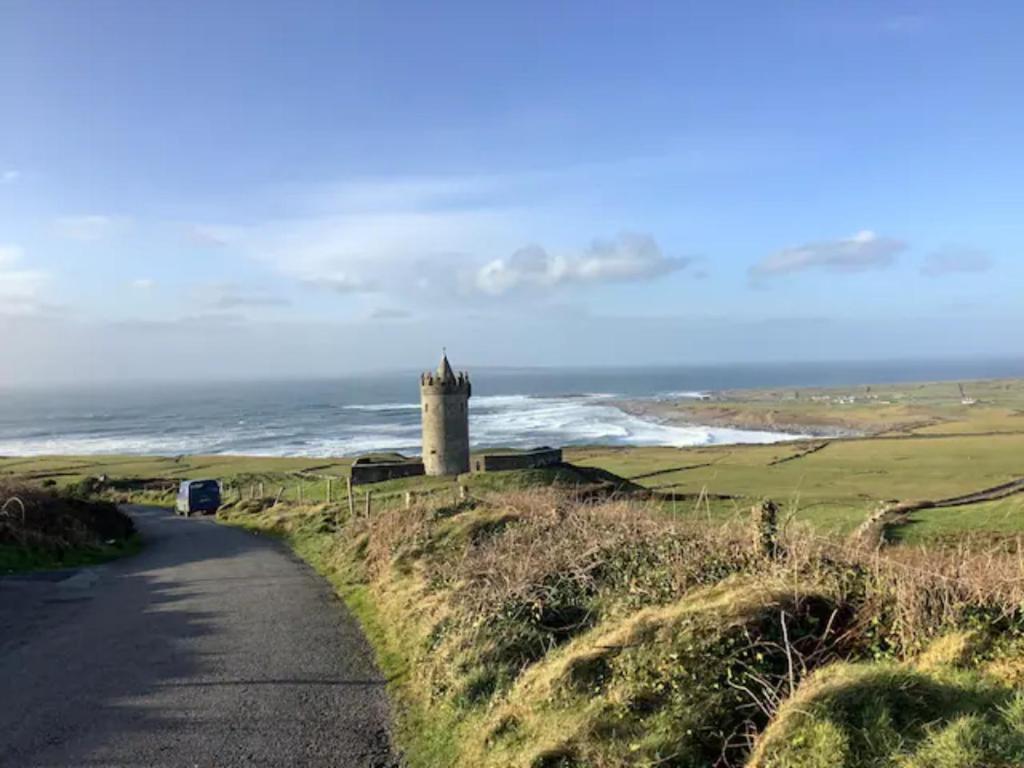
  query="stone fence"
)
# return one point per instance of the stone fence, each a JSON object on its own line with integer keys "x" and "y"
{"x": 505, "y": 460}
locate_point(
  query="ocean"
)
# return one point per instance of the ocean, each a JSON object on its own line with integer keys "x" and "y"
{"x": 346, "y": 416}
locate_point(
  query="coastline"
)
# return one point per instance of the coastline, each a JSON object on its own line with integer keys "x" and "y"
{"x": 685, "y": 413}
{"x": 837, "y": 412}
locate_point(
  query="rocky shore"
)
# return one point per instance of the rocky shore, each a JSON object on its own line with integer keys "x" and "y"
{"x": 740, "y": 415}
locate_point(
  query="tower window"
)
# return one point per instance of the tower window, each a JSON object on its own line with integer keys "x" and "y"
{"x": 426, "y": 407}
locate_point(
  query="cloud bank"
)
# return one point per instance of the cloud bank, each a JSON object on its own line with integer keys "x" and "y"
{"x": 860, "y": 253}
{"x": 231, "y": 296}
{"x": 20, "y": 289}
{"x": 430, "y": 240}
{"x": 629, "y": 257}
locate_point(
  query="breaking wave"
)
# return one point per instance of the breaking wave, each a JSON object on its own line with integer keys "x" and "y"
{"x": 340, "y": 429}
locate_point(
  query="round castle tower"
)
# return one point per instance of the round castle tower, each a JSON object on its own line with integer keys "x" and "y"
{"x": 444, "y": 397}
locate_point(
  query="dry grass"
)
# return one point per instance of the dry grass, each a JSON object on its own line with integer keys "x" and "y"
{"x": 32, "y": 516}
{"x": 555, "y": 631}
{"x": 44, "y": 529}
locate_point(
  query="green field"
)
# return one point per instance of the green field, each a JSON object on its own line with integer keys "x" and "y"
{"x": 836, "y": 487}
{"x": 897, "y": 409}
{"x": 924, "y": 444}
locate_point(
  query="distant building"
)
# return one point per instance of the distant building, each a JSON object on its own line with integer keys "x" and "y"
{"x": 444, "y": 398}
{"x": 378, "y": 467}
{"x": 505, "y": 459}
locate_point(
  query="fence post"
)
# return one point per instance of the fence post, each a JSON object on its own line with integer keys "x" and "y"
{"x": 262, "y": 494}
{"x": 328, "y": 496}
{"x": 351, "y": 501}
{"x": 367, "y": 511}
{"x": 766, "y": 528}
{"x": 408, "y": 500}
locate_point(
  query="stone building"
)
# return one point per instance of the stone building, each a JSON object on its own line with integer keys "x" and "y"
{"x": 505, "y": 459}
{"x": 378, "y": 467}
{"x": 444, "y": 398}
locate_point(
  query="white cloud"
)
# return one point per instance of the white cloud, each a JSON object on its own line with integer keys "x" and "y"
{"x": 402, "y": 253}
{"x": 390, "y": 313}
{"x": 439, "y": 239}
{"x": 209, "y": 235}
{"x": 9, "y": 254}
{"x": 629, "y": 257}
{"x": 224, "y": 296}
{"x": 20, "y": 289}
{"x": 862, "y": 252}
{"x": 89, "y": 227}
{"x": 341, "y": 282}
{"x": 9, "y": 176}
{"x": 952, "y": 260}
{"x": 144, "y": 283}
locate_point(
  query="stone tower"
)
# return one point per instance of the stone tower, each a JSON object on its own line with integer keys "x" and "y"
{"x": 445, "y": 403}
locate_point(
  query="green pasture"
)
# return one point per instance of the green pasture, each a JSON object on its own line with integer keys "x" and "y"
{"x": 836, "y": 487}
{"x": 926, "y": 408}
{"x": 986, "y": 522}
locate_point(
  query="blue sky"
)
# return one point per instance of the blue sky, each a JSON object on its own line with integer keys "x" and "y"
{"x": 256, "y": 188}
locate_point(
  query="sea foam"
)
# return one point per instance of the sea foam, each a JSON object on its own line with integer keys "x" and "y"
{"x": 514, "y": 420}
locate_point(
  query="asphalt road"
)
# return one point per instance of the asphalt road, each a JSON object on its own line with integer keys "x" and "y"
{"x": 212, "y": 647}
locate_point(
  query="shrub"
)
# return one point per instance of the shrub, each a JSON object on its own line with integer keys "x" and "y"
{"x": 564, "y": 629}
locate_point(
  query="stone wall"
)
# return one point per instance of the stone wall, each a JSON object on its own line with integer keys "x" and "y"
{"x": 497, "y": 462}
{"x": 363, "y": 473}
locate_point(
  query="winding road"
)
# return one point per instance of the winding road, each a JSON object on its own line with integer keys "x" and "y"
{"x": 211, "y": 647}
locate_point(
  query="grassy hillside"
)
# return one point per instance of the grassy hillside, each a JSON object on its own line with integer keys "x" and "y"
{"x": 528, "y": 628}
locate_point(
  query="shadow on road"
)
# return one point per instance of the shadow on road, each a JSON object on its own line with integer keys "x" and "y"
{"x": 211, "y": 646}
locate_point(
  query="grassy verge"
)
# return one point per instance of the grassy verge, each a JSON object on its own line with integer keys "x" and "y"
{"x": 16, "y": 559}
{"x": 534, "y": 629}
{"x": 45, "y": 529}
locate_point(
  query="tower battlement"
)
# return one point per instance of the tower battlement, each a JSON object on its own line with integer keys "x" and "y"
{"x": 459, "y": 384}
